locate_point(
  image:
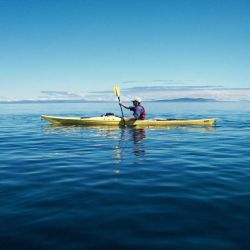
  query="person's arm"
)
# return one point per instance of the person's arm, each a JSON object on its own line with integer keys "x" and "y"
{"x": 124, "y": 106}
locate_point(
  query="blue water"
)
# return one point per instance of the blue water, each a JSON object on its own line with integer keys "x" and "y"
{"x": 91, "y": 188}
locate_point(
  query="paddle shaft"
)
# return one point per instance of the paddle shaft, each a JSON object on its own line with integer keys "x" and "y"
{"x": 121, "y": 107}
{"x": 117, "y": 93}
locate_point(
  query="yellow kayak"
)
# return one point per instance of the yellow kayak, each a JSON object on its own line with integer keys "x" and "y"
{"x": 118, "y": 121}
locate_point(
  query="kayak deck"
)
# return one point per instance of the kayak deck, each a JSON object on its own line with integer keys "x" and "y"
{"x": 117, "y": 121}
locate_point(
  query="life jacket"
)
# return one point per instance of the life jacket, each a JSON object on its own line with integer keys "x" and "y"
{"x": 143, "y": 114}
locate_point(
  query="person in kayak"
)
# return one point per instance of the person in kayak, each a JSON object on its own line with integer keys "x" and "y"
{"x": 139, "y": 112}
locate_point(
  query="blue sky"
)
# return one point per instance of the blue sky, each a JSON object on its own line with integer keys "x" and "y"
{"x": 81, "y": 46}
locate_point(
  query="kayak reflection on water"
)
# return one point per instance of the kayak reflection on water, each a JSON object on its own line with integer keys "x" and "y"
{"x": 123, "y": 139}
{"x": 130, "y": 136}
{"x": 124, "y": 142}
{"x": 137, "y": 136}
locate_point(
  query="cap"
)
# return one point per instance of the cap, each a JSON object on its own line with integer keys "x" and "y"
{"x": 137, "y": 99}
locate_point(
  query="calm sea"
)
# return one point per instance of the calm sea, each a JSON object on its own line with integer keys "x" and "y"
{"x": 89, "y": 188}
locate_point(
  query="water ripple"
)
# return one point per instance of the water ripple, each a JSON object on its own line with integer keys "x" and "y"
{"x": 92, "y": 188}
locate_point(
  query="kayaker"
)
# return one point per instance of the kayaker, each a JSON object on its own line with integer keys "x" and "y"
{"x": 139, "y": 111}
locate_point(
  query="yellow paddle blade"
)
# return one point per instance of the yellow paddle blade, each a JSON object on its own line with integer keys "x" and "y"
{"x": 117, "y": 90}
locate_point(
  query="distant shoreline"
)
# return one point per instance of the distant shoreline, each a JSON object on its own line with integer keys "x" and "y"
{"x": 200, "y": 100}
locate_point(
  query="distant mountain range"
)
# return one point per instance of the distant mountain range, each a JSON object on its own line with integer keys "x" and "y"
{"x": 107, "y": 101}
{"x": 187, "y": 100}
{"x": 90, "y": 101}
{"x": 48, "y": 101}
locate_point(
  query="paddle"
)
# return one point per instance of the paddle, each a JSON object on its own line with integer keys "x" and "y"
{"x": 117, "y": 93}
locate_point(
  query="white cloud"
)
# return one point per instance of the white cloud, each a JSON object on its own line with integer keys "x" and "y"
{"x": 146, "y": 93}
{"x": 61, "y": 95}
